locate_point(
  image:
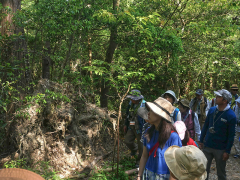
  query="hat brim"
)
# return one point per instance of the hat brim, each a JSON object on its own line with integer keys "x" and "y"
{"x": 143, "y": 113}
{"x": 18, "y": 174}
{"x": 185, "y": 105}
{"x": 135, "y": 98}
{"x": 181, "y": 135}
{"x": 217, "y": 93}
{"x": 159, "y": 111}
{"x": 175, "y": 99}
{"x": 234, "y": 88}
{"x": 172, "y": 164}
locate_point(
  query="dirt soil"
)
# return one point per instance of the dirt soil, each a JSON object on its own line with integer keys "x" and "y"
{"x": 233, "y": 170}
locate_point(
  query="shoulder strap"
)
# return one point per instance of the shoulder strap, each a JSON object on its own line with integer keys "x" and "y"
{"x": 154, "y": 148}
{"x": 193, "y": 115}
{"x": 233, "y": 103}
{"x": 212, "y": 102}
{"x": 205, "y": 100}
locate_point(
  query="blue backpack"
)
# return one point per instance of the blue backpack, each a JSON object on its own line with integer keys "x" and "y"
{"x": 175, "y": 114}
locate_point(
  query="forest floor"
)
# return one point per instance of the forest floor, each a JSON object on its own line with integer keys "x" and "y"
{"x": 233, "y": 170}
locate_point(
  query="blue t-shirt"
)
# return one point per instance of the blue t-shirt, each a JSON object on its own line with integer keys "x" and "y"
{"x": 157, "y": 164}
{"x": 224, "y": 128}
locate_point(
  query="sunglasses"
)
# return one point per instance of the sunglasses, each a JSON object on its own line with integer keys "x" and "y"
{"x": 234, "y": 89}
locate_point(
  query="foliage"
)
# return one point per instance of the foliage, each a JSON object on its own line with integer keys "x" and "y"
{"x": 125, "y": 163}
{"x": 42, "y": 168}
{"x": 179, "y": 45}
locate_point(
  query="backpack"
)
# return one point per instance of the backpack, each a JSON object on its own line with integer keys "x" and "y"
{"x": 175, "y": 114}
{"x": 205, "y": 101}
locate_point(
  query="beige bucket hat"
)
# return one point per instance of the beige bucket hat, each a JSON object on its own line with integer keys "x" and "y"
{"x": 18, "y": 174}
{"x": 161, "y": 107}
{"x": 184, "y": 102}
{"x": 186, "y": 163}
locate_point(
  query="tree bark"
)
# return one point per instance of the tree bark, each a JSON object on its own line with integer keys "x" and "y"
{"x": 109, "y": 57}
{"x": 46, "y": 61}
{"x": 7, "y": 26}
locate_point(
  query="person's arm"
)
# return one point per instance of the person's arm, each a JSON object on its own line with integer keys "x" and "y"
{"x": 143, "y": 162}
{"x": 208, "y": 107}
{"x": 231, "y": 134}
{"x": 197, "y": 126}
{"x": 204, "y": 131}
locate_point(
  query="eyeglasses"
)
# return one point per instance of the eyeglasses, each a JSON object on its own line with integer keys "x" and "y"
{"x": 234, "y": 89}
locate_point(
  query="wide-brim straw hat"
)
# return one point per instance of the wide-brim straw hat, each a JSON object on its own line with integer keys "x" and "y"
{"x": 161, "y": 107}
{"x": 186, "y": 163}
{"x": 18, "y": 174}
{"x": 234, "y": 86}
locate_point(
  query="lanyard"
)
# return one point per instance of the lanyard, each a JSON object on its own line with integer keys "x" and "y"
{"x": 215, "y": 113}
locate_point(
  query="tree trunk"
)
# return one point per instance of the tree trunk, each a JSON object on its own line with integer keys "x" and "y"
{"x": 109, "y": 57}
{"x": 90, "y": 56}
{"x": 7, "y": 26}
{"x": 71, "y": 40}
{"x": 46, "y": 61}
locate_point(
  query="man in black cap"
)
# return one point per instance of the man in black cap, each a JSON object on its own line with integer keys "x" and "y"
{"x": 200, "y": 105}
{"x": 134, "y": 123}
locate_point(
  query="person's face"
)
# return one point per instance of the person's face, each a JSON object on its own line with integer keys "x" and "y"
{"x": 153, "y": 118}
{"x": 220, "y": 100}
{"x": 169, "y": 98}
{"x": 238, "y": 104}
{"x": 199, "y": 97}
{"x": 181, "y": 108}
{"x": 135, "y": 101}
{"x": 234, "y": 91}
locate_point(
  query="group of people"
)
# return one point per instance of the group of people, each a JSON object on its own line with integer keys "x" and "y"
{"x": 180, "y": 143}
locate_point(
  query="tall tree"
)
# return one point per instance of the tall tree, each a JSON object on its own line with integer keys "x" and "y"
{"x": 109, "y": 56}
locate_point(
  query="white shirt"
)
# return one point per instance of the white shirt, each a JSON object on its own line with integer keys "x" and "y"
{"x": 237, "y": 113}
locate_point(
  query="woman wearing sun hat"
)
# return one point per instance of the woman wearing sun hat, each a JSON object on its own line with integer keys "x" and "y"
{"x": 158, "y": 138}
{"x": 186, "y": 163}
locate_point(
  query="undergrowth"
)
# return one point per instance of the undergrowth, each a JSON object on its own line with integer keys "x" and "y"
{"x": 42, "y": 168}
{"x": 126, "y": 163}
{"x": 48, "y": 173}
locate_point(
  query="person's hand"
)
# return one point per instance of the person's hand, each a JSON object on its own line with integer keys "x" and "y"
{"x": 200, "y": 145}
{"x": 139, "y": 177}
{"x": 225, "y": 156}
{"x": 125, "y": 129}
